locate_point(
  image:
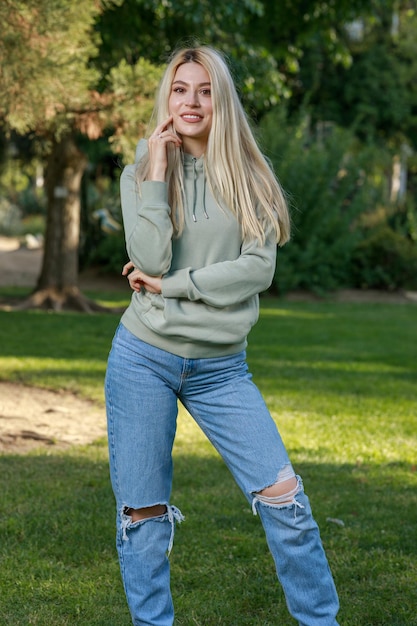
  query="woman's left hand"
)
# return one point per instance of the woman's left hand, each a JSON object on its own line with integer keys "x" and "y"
{"x": 138, "y": 279}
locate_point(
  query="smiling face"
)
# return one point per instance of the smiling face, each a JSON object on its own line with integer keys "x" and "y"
{"x": 191, "y": 107}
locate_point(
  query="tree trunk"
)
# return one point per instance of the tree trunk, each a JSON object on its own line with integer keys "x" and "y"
{"x": 57, "y": 286}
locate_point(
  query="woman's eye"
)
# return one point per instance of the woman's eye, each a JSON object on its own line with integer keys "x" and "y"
{"x": 178, "y": 90}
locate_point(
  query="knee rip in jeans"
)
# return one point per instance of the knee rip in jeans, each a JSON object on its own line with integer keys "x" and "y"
{"x": 162, "y": 513}
{"x": 282, "y": 493}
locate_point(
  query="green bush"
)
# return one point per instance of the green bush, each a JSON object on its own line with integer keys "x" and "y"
{"x": 102, "y": 237}
{"x": 110, "y": 253}
{"x": 386, "y": 259}
{"x": 33, "y": 224}
{"x": 330, "y": 181}
{"x": 32, "y": 201}
{"x": 10, "y": 216}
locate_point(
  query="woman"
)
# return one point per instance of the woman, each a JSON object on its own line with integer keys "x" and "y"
{"x": 202, "y": 213}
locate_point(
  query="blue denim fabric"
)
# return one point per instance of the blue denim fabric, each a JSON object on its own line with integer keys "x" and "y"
{"x": 143, "y": 385}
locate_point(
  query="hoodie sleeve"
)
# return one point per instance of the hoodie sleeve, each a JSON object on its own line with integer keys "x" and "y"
{"x": 228, "y": 282}
{"x": 147, "y": 222}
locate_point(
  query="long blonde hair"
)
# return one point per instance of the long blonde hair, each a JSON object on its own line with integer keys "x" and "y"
{"x": 237, "y": 172}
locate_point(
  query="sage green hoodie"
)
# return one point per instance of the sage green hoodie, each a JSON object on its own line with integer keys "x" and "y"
{"x": 211, "y": 277}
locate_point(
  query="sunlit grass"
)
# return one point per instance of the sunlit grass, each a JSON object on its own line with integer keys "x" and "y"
{"x": 341, "y": 382}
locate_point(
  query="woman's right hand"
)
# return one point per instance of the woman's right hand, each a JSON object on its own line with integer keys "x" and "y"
{"x": 133, "y": 276}
{"x": 138, "y": 279}
{"x": 157, "y": 146}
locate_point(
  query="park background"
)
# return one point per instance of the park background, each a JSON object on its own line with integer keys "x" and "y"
{"x": 331, "y": 91}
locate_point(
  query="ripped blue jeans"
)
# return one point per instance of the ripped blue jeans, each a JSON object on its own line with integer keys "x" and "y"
{"x": 143, "y": 385}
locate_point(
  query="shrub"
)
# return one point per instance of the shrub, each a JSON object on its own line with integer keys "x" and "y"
{"x": 110, "y": 253}
{"x": 330, "y": 183}
{"x": 102, "y": 237}
{"x": 10, "y": 216}
{"x": 385, "y": 259}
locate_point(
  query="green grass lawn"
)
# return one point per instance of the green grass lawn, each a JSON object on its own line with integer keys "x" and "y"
{"x": 341, "y": 382}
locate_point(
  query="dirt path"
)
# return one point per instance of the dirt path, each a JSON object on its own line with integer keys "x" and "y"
{"x": 31, "y": 417}
{"x": 19, "y": 266}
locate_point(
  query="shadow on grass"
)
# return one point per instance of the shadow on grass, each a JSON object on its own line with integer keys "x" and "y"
{"x": 58, "y": 562}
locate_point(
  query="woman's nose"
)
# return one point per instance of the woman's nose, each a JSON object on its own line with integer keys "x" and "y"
{"x": 192, "y": 99}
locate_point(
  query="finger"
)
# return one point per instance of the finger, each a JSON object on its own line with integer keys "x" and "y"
{"x": 134, "y": 277}
{"x": 164, "y": 126}
{"x": 165, "y": 135}
{"x": 168, "y": 137}
{"x": 161, "y": 127}
{"x": 135, "y": 284}
{"x": 163, "y": 132}
{"x": 126, "y": 267}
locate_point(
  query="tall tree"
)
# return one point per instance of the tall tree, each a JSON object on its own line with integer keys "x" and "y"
{"x": 49, "y": 87}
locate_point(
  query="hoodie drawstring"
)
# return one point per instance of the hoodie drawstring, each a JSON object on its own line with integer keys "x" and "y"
{"x": 195, "y": 192}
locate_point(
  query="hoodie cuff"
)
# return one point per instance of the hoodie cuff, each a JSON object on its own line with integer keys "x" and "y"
{"x": 175, "y": 285}
{"x": 154, "y": 192}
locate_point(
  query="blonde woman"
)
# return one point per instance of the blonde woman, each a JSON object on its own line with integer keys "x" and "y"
{"x": 203, "y": 213}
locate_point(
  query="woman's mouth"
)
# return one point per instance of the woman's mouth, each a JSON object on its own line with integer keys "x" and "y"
{"x": 191, "y": 117}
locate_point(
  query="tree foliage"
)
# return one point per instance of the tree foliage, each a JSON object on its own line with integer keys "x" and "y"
{"x": 44, "y": 73}
{"x": 89, "y": 68}
{"x": 375, "y": 92}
